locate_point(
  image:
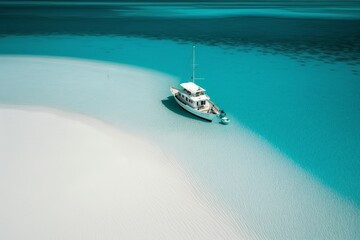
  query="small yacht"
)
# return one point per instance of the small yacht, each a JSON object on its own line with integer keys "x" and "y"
{"x": 193, "y": 98}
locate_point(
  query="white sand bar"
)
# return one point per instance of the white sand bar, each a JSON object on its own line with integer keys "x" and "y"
{"x": 66, "y": 176}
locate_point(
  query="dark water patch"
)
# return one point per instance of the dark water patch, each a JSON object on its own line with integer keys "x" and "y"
{"x": 334, "y": 40}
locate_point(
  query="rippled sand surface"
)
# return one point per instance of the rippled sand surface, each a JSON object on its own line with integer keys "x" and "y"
{"x": 150, "y": 170}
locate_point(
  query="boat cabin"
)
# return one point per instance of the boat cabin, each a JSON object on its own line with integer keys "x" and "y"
{"x": 193, "y": 95}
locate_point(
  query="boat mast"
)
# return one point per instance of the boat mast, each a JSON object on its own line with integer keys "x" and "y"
{"x": 193, "y": 66}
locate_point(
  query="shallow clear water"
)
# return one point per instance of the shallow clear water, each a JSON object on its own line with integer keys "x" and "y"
{"x": 289, "y": 76}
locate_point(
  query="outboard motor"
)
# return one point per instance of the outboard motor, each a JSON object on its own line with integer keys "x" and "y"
{"x": 222, "y": 114}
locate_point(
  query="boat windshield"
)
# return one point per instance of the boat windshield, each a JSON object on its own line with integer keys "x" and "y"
{"x": 187, "y": 92}
{"x": 199, "y": 94}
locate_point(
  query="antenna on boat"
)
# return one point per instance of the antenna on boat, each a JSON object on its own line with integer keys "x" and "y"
{"x": 194, "y": 66}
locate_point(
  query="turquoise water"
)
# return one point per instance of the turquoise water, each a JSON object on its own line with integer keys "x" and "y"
{"x": 289, "y": 73}
{"x": 309, "y": 112}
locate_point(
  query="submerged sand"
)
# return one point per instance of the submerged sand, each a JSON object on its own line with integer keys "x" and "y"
{"x": 67, "y": 176}
{"x": 169, "y": 176}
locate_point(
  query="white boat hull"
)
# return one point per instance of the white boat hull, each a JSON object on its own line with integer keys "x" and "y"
{"x": 204, "y": 115}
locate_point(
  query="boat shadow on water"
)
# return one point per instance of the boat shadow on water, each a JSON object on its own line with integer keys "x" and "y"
{"x": 172, "y": 105}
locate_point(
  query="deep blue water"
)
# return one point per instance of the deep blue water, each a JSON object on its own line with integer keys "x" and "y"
{"x": 289, "y": 72}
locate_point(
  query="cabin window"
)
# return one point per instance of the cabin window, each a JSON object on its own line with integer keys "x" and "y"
{"x": 186, "y": 98}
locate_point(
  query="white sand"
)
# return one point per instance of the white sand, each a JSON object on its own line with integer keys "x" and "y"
{"x": 66, "y": 176}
